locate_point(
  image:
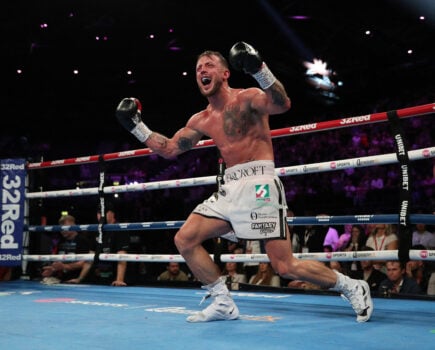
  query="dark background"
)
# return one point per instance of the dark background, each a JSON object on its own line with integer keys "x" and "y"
{"x": 48, "y": 111}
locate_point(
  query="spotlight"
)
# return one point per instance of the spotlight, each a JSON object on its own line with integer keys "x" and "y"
{"x": 319, "y": 77}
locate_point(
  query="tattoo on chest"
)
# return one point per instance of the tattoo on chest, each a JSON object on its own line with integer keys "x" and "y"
{"x": 184, "y": 144}
{"x": 237, "y": 122}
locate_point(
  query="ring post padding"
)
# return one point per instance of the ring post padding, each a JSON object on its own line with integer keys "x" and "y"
{"x": 404, "y": 229}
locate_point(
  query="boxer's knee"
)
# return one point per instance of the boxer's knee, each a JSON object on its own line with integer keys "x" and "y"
{"x": 185, "y": 240}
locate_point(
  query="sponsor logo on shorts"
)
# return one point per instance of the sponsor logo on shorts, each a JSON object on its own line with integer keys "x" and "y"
{"x": 262, "y": 216}
{"x": 262, "y": 193}
{"x": 245, "y": 172}
{"x": 264, "y": 227}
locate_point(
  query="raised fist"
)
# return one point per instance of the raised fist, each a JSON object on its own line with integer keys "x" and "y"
{"x": 128, "y": 114}
{"x": 243, "y": 57}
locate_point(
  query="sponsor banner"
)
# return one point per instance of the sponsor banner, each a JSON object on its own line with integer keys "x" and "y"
{"x": 12, "y": 187}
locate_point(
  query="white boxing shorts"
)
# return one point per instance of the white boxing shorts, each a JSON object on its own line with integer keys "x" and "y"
{"x": 252, "y": 200}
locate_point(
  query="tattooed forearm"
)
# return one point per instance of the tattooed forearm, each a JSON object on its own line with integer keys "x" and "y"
{"x": 279, "y": 95}
{"x": 160, "y": 140}
{"x": 184, "y": 144}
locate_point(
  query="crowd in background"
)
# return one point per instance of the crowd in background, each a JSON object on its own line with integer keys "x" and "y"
{"x": 365, "y": 190}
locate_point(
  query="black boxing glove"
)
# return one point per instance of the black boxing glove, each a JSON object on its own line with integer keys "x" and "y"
{"x": 243, "y": 57}
{"x": 128, "y": 114}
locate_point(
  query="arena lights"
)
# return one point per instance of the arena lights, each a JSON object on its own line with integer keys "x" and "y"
{"x": 318, "y": 75}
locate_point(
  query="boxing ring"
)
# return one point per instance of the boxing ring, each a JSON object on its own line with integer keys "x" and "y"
{"x": 102, "y": 317}
{"x": 67, "y": 317}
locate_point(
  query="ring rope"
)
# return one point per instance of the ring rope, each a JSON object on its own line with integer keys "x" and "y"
{"x": 293, "y": 170}
{"x": 295, "y": 221}
{"x": 414, "y": 254}
{"x": 293, "y": 130}
{"x": 334, "y": 165}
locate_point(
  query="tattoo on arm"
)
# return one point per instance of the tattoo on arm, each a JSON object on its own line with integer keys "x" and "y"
{"x": 184, "y": 144}
{"x": 161, "y": 140}
{"x": 278, "y": 94}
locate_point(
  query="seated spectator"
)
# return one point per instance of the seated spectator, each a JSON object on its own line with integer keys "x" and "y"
{"x": 71, "y": 243}
{"x": 382, "y": 238}
{"x": 311, "y": 237}
{"x": 232, "y": 275}
{"x": 331, "y": 241}
{"x": 173, "y": 273}
{"x": 418, "y": 270}
{"x": 357, "y": 239}
{"x": 367, "y": 272}
{"x": 423, "y": 237}
{"x": 115, "y": 242}
{"x": 356, "y": 242}
{"x": 397, "y": 282}
{"x": 345, "y": 237}
{"x": 265, "y": 276}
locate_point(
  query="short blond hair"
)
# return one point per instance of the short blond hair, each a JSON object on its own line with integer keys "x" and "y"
{"x": 65, "y": 218}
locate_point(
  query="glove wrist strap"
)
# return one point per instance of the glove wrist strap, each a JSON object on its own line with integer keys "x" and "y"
{"x": 142, "y": 132}
{"x": 264, "y": 77}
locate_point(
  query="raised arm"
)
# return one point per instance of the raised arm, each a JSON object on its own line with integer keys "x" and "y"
{"x": 128, "y": 114}
{"x": 272, "y": 99}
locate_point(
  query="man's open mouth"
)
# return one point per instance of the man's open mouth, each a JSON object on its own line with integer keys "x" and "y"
{"x": 205, "y": 80}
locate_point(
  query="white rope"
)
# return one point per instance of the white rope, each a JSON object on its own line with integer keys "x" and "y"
{"x": 382, "y": 159}
{"x": 425, "y": 255}
{"x": 59, "y": 257}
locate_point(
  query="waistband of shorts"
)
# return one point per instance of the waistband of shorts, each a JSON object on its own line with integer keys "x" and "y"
{"x": 250, "y": 169}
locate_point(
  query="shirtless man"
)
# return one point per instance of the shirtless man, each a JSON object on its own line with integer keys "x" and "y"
{"x": 251, "y": 202}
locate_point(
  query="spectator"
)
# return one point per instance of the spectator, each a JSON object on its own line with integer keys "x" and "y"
{"x": 331, "y": 239}
{"x": 232, "y": 275}
{"x": 108, "y": 272}
{"x": 397, "y": 282}
{"x": 367, "y": 272}
{"x": 265, "y": 276}
{"x": 344, "y": 238}
{"x": 419, "y": 270}
{"x": 71, "y": 243}
{"x": 382, "y": 238}
{"x": 312, "y": 237}
{"x": 357, "y": 239}
{"x": 173, "y": 273}
{"x": 421, "y": 236}
{"x": 356, "y": 242}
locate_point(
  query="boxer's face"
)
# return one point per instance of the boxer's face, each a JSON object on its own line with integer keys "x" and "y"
{"x": 210, "y": 75}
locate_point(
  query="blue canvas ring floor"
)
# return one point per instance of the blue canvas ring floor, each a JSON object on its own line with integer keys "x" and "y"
{"x": 37, "y": 316}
